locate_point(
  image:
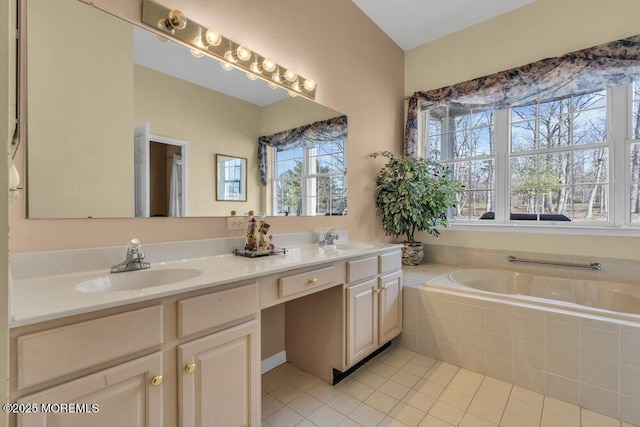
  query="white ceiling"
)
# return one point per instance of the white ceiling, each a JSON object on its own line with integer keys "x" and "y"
{"x": 411, "y": 23}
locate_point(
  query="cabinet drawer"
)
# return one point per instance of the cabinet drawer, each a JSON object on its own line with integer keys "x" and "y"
{"x": 390, "y": 262}
{"x": 43, "y": 356}
{"x": 208, "y": 311}
{"x": 362, "y": 269}
{"x": 302, "y": 282}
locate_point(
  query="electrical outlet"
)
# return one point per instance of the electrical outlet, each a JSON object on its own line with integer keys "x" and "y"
{"x": 235, "y": 223}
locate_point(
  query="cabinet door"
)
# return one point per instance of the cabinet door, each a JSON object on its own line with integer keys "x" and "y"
{"x": 124, "y": 396}
{"x": 362, "y": 315}
{"x": 390, "y": 306}
{"x": 219, "y": 379}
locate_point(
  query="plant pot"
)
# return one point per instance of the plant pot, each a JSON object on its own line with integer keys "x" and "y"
{"x": 412, "y": 253}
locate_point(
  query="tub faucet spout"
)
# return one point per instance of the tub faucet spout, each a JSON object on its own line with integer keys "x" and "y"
{"x": 134, "y": 260}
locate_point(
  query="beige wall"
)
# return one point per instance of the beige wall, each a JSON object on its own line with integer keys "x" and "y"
{"x": 65, "y": 142}
{"x": 359, "y": 72}
{"x": 291, "y": 113}
{"x": 212, "y": 123}
{"x": 539, "y": 30}
{"x": 542, "y": 29}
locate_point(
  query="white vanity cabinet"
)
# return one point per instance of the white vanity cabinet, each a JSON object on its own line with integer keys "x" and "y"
{"x": 219, "y": 374}
{"x": 127, "y": 395}
{"x": 218, "y": 386}
{"x": 193, "y": 358}
{"x": 189, "y": 360}
{"x": 389, "y": 306}
{"x": 362, "y": 313}
{"x": 373, "y": 304}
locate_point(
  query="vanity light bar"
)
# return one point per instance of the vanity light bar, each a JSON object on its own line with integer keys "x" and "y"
{"x": 231, "y": 54}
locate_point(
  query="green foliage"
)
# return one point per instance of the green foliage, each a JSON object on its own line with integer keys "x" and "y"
{"x": 414, "y": 194}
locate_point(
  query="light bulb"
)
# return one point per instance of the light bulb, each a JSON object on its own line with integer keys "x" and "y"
{"x": 309, "y": 85}
{"x": 255, "y": 67}
{"x": 196, "y": 53}
{"x": 176, "y": 19}
{"x": 269, "y": 64}
{"x": 251, "y": 76}
{"x": 199, "y": 42}
{"x": 230, "y": 57}
{"x": 226, "y": 66}
{"x": 272, "y": 85}
{"x": 290, "y": 75}
{"x": 243, "y": 52}
{"x": 213, "y": 37}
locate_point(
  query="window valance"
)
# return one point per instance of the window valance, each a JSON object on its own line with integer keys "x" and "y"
{"x": 302, "y": 137}
{"x": 575, "y": 73}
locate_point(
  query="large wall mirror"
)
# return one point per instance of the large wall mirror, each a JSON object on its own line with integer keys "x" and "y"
{"x": 120, "y": 120}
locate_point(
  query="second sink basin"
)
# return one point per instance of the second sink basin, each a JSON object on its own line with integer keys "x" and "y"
{"x": 137, "y": 279}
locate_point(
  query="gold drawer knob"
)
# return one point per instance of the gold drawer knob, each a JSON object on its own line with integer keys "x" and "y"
{"x": 385, "y": 287}
{"x": 313, "y": 281}
{"x": 156, "y": 381}
{"x": 190, "y": 368}
{"x": 377, "y": 291}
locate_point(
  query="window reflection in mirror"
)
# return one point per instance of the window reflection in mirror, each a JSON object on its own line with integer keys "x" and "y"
{"x": 231, "y": 178}
{"x": 87, "y": 94}
{"x": 310, "y": 180}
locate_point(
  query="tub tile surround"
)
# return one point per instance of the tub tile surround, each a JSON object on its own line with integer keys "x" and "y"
{"x": 613, "y": 269}
{"x": 576, "y": 358}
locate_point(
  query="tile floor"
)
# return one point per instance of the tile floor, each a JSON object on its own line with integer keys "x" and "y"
{"x": 402, "y": 388}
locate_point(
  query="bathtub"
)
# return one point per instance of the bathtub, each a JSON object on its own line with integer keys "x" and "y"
{"x": 572, "y": 339}
{"x": 596, "y": 297}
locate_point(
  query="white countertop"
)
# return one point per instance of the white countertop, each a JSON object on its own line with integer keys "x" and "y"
{"x": 54, "y": 296}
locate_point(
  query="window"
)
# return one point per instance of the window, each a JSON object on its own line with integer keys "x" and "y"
{"x": 463, "y": 140}
{"x": 550, "y": 162}
{"x": 310, "y": 180}
{"x": 559, "y": 158}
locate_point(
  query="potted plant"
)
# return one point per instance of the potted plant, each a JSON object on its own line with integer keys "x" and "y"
{"x": 414, "y": 194}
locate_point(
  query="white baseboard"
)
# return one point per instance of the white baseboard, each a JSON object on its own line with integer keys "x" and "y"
{"x": 274, "y": 361}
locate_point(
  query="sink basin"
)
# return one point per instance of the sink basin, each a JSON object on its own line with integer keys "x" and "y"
{"x": 350, "y": 246}
{"x": 137, "y": 279}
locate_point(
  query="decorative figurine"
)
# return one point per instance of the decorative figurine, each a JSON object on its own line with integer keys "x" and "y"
{"x": 264, "y": 243}
{"x": 251, "y": 233}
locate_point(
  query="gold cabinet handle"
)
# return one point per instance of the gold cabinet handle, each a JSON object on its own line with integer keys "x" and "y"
{"x": 377, "y": 291}
{"x": 156, "y": 381}
{"x": 190, "y": 368}
{"x": 313, "y": 281}
{"x": 385, "y": 287}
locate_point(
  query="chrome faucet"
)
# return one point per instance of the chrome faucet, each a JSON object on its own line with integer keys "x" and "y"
{"x": 134, "y": 260}
{"x": 329, "y": 237}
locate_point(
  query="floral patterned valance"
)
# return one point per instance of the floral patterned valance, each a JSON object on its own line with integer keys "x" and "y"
{"x": 304, "y": 136}
{"x": 575, "y": 73}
